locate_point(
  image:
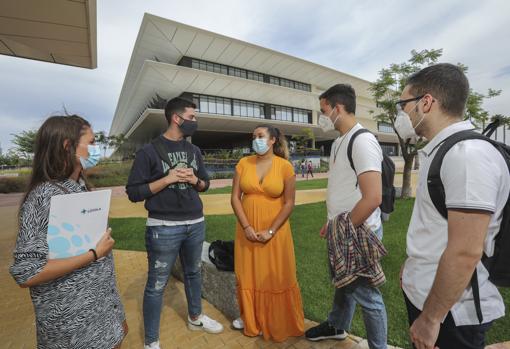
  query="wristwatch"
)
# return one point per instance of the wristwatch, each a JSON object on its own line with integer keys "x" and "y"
{"x": 271, "y": 232}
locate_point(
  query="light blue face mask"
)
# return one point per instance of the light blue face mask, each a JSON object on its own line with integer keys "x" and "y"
{"x": 93, "y": 158}
{"x": 260, "y": 145}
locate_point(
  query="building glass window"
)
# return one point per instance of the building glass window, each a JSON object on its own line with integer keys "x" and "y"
{"x": 389, "y": 149}
{"x": 248, "y": 109}
{"x": 274, "y": 80}
{"x": 286, "y": 83}
{"x": 196, "y": 100}
{"x": 385, "y": 127}
{"x": 236, "y": 107}
{"x": 212, "y": 105}
{"x": 281, "y": 113}
{"x": 247, "y": 74}
{"x": 241, "y": 73}
{"x": 300, "y": 115}
{"x": 255, "y": 76}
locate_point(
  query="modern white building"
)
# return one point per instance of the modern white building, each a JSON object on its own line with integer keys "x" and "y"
{"x": 235, "y": 85}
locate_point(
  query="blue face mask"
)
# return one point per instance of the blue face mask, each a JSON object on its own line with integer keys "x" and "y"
{"x": 260, "y": 146}
{"x": 93, "y": 158}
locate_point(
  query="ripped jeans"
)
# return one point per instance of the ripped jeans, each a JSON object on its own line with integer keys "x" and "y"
{"x": 163, "y": 244}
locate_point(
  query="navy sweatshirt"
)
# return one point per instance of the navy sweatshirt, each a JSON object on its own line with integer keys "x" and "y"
{"x": 177, "y": 202}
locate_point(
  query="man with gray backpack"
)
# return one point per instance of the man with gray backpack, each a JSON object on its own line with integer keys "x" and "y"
{"x": 457, "y": 240}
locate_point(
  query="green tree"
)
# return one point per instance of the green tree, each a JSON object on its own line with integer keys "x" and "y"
{"x": 388, "y": 88}
{"x": 474, "y": 110}
{"x": 303, "y": 139}
{"x": 103, "y": 140}
{"x": 24, "y": 143}
{"x": 117, "y": 143}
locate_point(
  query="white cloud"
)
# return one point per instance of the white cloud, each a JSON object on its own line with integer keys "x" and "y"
{"x": 356, "y": 37}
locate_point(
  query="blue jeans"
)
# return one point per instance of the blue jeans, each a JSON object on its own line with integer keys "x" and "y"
{"x": 163, "y": 244}
{"x": 372, "y": 306}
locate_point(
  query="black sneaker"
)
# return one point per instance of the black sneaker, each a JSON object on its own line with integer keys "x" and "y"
{"x": 324, "y": 331}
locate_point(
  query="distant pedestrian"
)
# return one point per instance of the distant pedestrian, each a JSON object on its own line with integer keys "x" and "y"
{"x": 309, "y": 169}
{"x": 303, "y": 168}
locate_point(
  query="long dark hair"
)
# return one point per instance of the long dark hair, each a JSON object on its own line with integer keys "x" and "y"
{"x": 52, "y": 161}
{"x": 280, "y": 147}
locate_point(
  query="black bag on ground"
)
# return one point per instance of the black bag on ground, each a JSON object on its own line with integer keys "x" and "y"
{"x": 387, "y": 175}
{"x": 221, "y": 254}
{"x": 499, "y": 264}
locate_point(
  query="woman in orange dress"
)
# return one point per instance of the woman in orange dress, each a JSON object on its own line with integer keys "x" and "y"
{"x": 263, "y": 198}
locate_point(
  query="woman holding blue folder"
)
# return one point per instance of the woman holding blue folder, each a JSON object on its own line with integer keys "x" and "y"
{"x": 76, "y": 301}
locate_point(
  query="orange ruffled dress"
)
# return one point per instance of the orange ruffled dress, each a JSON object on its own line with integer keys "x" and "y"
{"x": 267, "y": 288}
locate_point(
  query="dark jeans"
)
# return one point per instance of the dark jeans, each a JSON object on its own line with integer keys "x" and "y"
{"x": 451, "y": 336}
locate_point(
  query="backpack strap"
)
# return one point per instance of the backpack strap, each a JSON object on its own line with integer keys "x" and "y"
{"x": 161, "y": 150}
{"x": 349, "y": 149}
{"x": 438, "y": 197}
{"x": 434, "y": 183}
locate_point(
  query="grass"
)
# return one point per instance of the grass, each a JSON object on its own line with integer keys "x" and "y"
{"x": 23, "y": 171}
{"x": 300, "y": 185}
{"x": 311, "y": 259}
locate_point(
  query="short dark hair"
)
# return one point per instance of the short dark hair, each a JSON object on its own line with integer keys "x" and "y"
{"x": 342, "y": 94}
{"x": 177, "y": 105}
{"x": 445, "y": 82}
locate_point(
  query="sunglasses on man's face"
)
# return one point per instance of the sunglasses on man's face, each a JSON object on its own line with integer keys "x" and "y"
{"x": 403, "y": 102}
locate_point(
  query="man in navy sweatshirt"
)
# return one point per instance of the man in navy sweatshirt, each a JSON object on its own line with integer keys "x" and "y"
{"x": 168, "y": 173}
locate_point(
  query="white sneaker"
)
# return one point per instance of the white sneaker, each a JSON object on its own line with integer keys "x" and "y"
{"x": 153, "y": 345}
{"x": 238, "y": 324}
{"x": 205, "y": 323}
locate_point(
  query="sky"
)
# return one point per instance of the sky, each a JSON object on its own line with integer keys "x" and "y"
{"x": 356, "y": 37}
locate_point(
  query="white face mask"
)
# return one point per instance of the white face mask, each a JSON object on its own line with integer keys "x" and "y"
{"x": 325, "y": 122}
{"x": 404, "y": 126}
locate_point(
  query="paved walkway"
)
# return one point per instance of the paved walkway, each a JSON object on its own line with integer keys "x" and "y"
{"x": 17, "y": 327}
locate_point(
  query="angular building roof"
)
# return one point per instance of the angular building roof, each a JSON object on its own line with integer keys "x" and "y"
{"x": 57, "y": 31}
{"x": 162, "y": 43}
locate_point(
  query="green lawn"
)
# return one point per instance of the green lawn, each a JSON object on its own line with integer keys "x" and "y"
{"x": 300, "y": 185}
{"x": 312, "y": 267}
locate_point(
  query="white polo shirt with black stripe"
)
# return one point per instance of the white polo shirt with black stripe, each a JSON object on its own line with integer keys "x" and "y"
{"x": 475, "y": 176}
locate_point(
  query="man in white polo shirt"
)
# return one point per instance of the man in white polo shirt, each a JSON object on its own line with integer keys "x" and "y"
{"x": 359, "y": 193}
{"x": 443, "y": 253}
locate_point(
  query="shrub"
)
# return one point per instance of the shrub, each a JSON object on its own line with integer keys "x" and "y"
{"x": 221, "y": 175}
{"x": 13, "y": 184}
{"x": 109, "y": 174}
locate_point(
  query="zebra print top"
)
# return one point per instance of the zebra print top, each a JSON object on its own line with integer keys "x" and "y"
{"x": 78, "y": 310}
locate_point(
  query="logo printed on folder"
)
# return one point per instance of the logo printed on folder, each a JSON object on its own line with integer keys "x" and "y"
{"x": 77, "y": 221}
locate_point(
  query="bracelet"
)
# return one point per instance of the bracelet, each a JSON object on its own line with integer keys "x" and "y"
{"x": 244, "y": 228}
{"x": 95, "y": 254}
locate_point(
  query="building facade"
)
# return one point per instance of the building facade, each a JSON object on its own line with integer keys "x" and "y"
{"x": 235, "y": 85}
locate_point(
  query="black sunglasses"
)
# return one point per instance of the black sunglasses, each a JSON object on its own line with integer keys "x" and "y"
{"x": 403, "y": 102}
